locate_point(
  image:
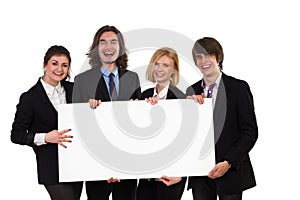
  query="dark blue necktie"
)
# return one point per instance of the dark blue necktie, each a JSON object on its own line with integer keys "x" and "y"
{"x": 112, "y": 88}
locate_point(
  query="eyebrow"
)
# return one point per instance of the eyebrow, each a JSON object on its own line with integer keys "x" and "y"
{"x": 108, "y": 40}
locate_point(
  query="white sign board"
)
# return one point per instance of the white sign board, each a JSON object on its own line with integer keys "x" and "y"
{"x": 134, "y": 139}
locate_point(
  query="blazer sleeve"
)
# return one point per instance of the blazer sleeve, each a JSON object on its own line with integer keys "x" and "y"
{"x": 246, "y": 123}
{"x": 22, "y": 122}
{"x": 78, "y": 96}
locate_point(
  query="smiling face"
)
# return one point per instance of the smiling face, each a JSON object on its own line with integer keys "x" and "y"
{"x": 56, "y": 69}
{"x": 108, "y": 48}
{"x": 163, "y": 69}
{"x": 207, "y": 64}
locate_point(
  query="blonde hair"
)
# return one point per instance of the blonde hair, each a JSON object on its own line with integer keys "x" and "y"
{"x": 164, "y": 51}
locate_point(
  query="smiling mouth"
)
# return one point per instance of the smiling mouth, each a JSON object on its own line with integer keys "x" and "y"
{"x": 58, "y": 74}
{"x": 108, "y": 53}
{"x": 205, "y": 66}
{"x": 159, "y": 75}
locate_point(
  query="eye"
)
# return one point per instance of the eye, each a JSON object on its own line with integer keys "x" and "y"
{"x": 114, "y": 42}
{"x": 102, "y": 42}
{"x": 199, "y": 57}
{"x": 65, "y": 65}
{"x": 165, "y": 65}
{"x": 54, "y": 63}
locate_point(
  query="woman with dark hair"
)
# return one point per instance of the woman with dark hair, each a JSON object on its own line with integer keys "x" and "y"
{"x": 35, "y": 122}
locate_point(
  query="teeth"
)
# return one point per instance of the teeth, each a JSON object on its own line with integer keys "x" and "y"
{"x": 159, "y": 74}
{"x": 108, "y": 53}
{"x": 205, "y": 66}
{"x": 58, "y": 74}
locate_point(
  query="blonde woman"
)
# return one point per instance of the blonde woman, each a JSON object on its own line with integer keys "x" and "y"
{"x": 163, "y": 70}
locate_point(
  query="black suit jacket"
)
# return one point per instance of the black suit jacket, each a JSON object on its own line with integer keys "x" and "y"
{"x": 36, "y": 114}
{"x": 235, "y": 133}
{"x": 91, "y": 85}
{"x": 173, "y": 93}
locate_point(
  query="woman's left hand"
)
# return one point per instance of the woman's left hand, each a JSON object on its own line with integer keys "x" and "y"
{"x": 152, "y": 100}
{"x": 170, "y": 180}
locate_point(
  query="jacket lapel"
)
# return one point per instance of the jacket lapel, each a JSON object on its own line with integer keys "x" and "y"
{"x": 43, "y": 96}
{"x": 69, "y": 90}
{"x": 102, "y": 90}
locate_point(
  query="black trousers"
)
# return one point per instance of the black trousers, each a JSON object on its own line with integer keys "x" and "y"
{"x": 100, "y": 190}
{"x": 206, "y": 190}
{"x": 157, "y": 190}
{"x": 65, "y": 191}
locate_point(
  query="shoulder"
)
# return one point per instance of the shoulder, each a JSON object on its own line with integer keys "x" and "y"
{"x": 129, "y": 77}
{"x": 234, "y": 82}
{"x": 88, "y": 74}
{"x": 128, "y": 73}
{"x": 32, "y": 93}
{"x": 147, "y": 93}
{"x": 178, "y": 94}
{"x": 194, "y": 88}
{"x": 68, "y": 86}
{"x": 67, "y": 83}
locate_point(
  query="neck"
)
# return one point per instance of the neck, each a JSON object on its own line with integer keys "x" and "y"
{"x": 109, "y": 66}
{"x": 160, "y": 86}
{"x": 211, "y": 79}
{"x": 52, "y": 83}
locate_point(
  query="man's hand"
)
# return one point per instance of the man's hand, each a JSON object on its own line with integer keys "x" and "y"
{"x": 219, "y": 170}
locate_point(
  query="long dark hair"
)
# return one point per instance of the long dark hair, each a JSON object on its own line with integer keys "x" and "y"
{"x": 93, "y": 54}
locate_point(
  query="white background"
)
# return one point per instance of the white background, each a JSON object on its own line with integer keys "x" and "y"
{"x": 261, "y": 45}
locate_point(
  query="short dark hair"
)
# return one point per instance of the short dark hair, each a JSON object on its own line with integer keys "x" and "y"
{"x": 209, "y": 46}
{"x": 57, "y": 50}
{"x": 95, "y": 61}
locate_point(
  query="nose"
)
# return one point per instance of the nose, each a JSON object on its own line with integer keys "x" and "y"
{"x": 157, "y": 67}
{"x": 60, "y": 67}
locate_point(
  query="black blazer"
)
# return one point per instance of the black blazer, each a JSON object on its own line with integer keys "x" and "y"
{"x": 173, "y": 93}
{"x": 91, "y": 85}
{"x": 36, "y": 114}
{"x": 235, "y": 131}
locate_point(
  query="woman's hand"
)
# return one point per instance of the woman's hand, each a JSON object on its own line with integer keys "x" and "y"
{"x": 58, "y": 137}
{"x": 170, "y": 180}
{"x": 152, "y": 100}
{"x": 113, "y": 180}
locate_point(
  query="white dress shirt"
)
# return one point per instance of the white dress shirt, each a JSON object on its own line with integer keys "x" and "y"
{"x": 162, "y": 94}
{"x": 215, "y": 89}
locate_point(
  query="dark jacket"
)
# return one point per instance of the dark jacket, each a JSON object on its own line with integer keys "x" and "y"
{"x": 235, "y": 133}
{"x": 36, "y": 114}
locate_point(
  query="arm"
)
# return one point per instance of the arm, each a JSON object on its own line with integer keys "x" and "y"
{"x": 246, "y": 124}
{"x": 22, "y": 125}
{"x": 137, "y": 89}
{"x": 246, "y": 128}
{"x": 22, "y": 122}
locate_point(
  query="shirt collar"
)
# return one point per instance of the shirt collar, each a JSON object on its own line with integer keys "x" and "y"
{"x": 50, "y": 89}
{"x": 163, "y": 93}
{"x": 217, "y": 82}
{"x": 107, "y": 73}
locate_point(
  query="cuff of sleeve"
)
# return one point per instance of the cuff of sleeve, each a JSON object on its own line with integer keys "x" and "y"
{"x": 39, "y": 139}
